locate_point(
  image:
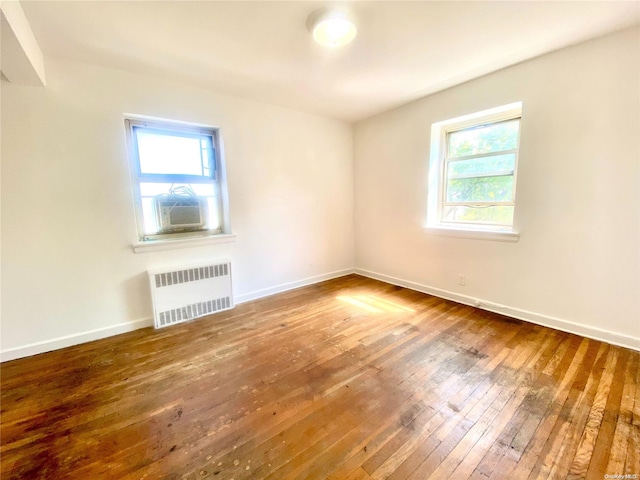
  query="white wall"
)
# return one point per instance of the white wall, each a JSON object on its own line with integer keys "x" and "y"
{"x": 70, "y": 275}
{"x": 67, "y": 213}
{"x": 577, "y": 264}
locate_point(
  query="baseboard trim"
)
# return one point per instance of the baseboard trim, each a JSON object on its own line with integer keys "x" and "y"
{"x": 74, "y": 339}
{"x": 532, "y": 317}
{"x": 284, "y": 287}
{"x": 539, "y": 319}
{"x": 99, "y": 333}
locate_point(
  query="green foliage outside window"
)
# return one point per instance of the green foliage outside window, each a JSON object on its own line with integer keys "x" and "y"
{"x": 496, "y": 137}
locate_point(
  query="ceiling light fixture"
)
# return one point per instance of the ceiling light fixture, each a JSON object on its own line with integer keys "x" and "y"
{"x": 331, "y": 28}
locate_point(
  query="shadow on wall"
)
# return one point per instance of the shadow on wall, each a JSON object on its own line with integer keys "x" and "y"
{"x": 137, "y": 297}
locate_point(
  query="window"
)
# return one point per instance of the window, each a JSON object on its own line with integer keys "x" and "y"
{"x": 176, "y": 179}
{"x": 474, "y": 161}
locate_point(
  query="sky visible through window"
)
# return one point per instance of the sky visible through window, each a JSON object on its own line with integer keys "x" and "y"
{"x": 167, "y": 154}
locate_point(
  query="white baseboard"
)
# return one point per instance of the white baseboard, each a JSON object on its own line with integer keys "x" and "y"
{"x": 97, "y": 334}
{"x": 266, "y": 292}
{"x": 532, "y": 317}
{"x": 70, "y": 340}
{"x": 539, "y": 319}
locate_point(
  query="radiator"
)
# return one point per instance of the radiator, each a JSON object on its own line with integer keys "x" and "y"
{"x": 181, "y": 294}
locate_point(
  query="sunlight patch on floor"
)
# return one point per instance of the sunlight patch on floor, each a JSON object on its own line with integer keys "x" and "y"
{"x": 374, "y": 304}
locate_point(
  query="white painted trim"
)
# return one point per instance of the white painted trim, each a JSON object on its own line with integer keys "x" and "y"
{"x": 22, "y": 58}
{"x": 74, "y": 339}
{"x": 186, "y": 242}
{"x": 78, "y": 338}
{"x": 607, "y": 336}
{"x": 266, "y": 292}
{"x": 539, "y": 319}
{"x": 492, "y": 115}
{"x": 473, "y": 234}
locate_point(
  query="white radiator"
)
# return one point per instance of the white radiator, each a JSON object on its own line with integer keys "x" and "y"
{"x": 181, "y": 294}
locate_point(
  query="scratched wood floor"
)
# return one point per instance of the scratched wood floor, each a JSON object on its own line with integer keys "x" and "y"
{"x": 351, "y": 379}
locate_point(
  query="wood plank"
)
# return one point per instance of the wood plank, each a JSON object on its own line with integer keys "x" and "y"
{"x": 632, "y": 462}
{"x": 496, "y": 434}
{"x": 604, "y": 441}
{"x": 350, "y": 379}
{"x": 580, "y": 412}
{"x": 618, "y": 458}
{"x": 427, "y": 459}
{"x": 445, "y": 420}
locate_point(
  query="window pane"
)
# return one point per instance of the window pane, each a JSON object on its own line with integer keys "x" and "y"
{"x": 214, "y": 215}
{"x": 480, "y": 189}
{"x": 484, "y": 139}
{"x": 169, "y": 154}
{"x": 476, "y": 166}
{"x": 149, "y": 216}
{"x": 499, "y": 215}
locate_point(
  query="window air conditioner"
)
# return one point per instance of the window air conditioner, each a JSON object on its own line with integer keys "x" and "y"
{"x": 179, "y": 212}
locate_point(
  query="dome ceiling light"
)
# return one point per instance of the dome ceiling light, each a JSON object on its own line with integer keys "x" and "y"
{"x": 331, "y": 28}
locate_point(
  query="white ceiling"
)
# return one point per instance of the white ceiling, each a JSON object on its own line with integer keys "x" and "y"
{"x": 263, "y": 51}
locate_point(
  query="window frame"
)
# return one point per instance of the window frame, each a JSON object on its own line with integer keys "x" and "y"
{"x": 439, "y": 161}
{"x": 216, "y": 178}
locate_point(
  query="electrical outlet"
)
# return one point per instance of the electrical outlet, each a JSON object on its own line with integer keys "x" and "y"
{"x": 462, "y": 280}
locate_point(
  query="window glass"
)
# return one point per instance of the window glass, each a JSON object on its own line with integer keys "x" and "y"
{"x": 484, "y": 139}
{"x": 483, "y": 165}
{"x": 496, "y": 215}
{"x": 480, "y": 189}
{"x": 165, "y": 153}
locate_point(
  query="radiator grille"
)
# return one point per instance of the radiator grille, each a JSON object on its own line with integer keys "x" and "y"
{"x": 167, "y": 279}
{"x": 182, "y": 294}
{"x": 194, "y": 310}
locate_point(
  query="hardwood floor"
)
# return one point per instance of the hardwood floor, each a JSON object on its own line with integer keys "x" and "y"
{"x": 351, "y": 379}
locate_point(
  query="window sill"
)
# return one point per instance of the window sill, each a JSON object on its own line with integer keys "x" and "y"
{"x": 159, "y": 245}
{"x": 500, "y": 236}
